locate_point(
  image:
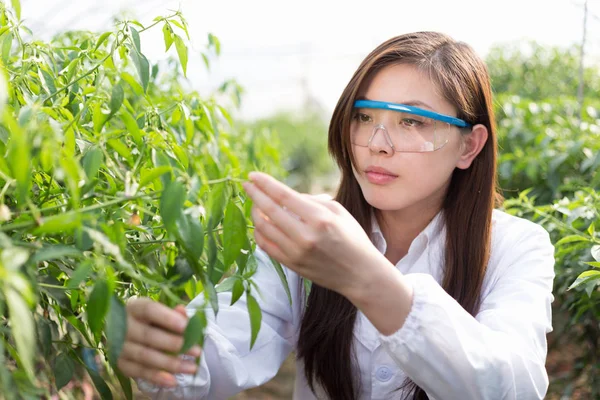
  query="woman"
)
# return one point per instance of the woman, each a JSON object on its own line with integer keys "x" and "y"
{"x": 420, "y": 288}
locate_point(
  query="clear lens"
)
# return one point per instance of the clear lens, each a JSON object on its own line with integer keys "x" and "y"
{"x": 402, "y": 131}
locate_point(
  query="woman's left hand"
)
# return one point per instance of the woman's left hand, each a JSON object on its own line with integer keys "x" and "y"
{"x": 319, "y": 239}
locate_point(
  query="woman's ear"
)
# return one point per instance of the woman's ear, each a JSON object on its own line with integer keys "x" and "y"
{"x": 472, "y": 145}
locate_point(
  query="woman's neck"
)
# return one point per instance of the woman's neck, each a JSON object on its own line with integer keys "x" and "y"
{"x": 401, "y": 227}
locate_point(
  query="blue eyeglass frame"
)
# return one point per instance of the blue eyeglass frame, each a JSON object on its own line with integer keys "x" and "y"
{"x": 412, "y": 110}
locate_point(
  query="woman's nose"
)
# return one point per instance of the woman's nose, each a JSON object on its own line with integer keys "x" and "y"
{"x": 380, "y": 141}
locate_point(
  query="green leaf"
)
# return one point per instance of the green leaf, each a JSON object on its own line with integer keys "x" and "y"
{"x": 44, "y": 334}
{"x": 125, "y": 384}
{"x": 214, "y": 41}
{"x": 234, "y": 233}
{"x": 81, "y": 273}
{"x": 64, "y": 367}
{"x": 48, "y": 79}
{"x": 137, "y": 88}
{"x": 226, "y": 114}
{"x": 168, "y": 36}
{"x": 182, "y": 52}
{"x": 102, "y": 39}
{"x": 595, "y": 264}
{"x": 116, "y": 99}
{"x": 82, "y": 239}
{"x": 149, "y": 175}
{"x": 237, "y": 291}
{"x": 135, "y": 36}
{"x": 143, "y": 67}
{"x": 226, "y": 284}
{"x": 60, "y": 223}
{"x": 116, "y": 329}
{"x": 194, "y": 331}
{"x": 73, "y": 175}
{"x": 98, "y": 117}
{"x": 255, "y": 317}
{"x": 137, "y": 23}
{"x": 101, "y": 386}
{"x": 283, "y": 278}
{"x": 211, "y": 293}
{"x": 206, "y": 61}
{"x": 17, "y": 6}
{"x": 242, "y": 259}
{"x": 212, "y": 253}
{"x": 132, "y": 127}
{"x": 55, "y": 252}
{"x": 571, "y": 239}
{"x": 22, "y": 329}
{"x": 98, "y": 304}
{"x": 585, "y": 277}
{"x": 171, "y": 204}
{"x": 307, "y": 289}
{"x": 120, "y": 147}
{"x": 191, "y": 235}
{"x": 19, "y": 153}
{"x": 218, "y": 201}
{"x": 92, "y": 160}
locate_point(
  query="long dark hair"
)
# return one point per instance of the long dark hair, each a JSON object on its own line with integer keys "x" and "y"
{"x": 326, "y": 335}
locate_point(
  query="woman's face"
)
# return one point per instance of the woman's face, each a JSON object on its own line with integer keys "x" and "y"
{"x": 416, "y": 178}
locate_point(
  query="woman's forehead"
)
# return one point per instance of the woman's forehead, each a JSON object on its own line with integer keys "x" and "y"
{"x": 406, "y": 84}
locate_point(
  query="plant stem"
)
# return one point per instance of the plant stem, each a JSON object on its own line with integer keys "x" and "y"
{"x": 150, "y": 242}
{"x": 91, "y": 71}
{"x": 28, "y": 224}
{"x": 47, "y": 285}
{"x": 225, "y": 180}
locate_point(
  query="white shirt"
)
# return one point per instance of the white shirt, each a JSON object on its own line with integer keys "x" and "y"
{"x": 499, "y": 354}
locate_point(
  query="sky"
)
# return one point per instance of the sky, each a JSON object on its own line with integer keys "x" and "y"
{"x": 287, "y": 53}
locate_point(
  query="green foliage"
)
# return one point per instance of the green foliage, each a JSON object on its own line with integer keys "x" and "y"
{"x": 115, "y": 181}
{"x": 544, "y": 146}
{"x": 304, "y": 150}
{"x": 548, "y": 168}
{"x": 574, "y": 226}
{"x": 537, "y": 72}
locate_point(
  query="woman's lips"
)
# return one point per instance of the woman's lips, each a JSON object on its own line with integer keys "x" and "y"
{"x": 379, "y": 176}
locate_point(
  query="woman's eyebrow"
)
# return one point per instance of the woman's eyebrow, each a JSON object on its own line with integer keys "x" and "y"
{"x": 416, "y": 103}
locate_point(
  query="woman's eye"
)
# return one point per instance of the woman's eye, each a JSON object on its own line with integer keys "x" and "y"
{"x": 411, "y": 122}
{"x": 360, "y": 117}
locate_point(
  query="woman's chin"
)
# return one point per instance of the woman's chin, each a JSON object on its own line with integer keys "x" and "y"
{"x": 385, "y": 201}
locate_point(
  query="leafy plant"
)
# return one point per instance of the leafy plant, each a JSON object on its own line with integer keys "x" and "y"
{"x": 115, "y": 181}
{"x": 548, "y": 165}
{"x": 544, "y": 146}
{"x": 304, "y": 150}
{"x": 574, "y": 226}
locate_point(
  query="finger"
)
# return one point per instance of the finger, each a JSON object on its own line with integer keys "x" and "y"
{"x": 271, "y": 249}
{"x": 135, "y": 370}
{"x": 273, "y": 234}
{"x": 153, "y": 337}
{"x": 181, "y": 310}
{"x": 282, "y": 195}
{"x": 322, "y": 197}
{"x": 329, "y": 202}
{"x": 284, "y": 220}
{"x": 157, "y": 314}
{"x": 153, "y": 359}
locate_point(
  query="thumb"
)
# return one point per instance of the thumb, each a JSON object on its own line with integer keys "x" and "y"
{"x": 181, "y": 310}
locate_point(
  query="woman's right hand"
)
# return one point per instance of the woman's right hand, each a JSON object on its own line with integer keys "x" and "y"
{"x": 154, "y": 338}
